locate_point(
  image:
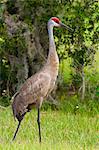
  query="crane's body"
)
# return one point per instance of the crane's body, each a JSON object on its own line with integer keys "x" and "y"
{"x": 34, "y": 90}
{"x": 37, "y": 87}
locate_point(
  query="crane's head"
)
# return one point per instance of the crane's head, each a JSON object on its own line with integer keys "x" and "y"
{"x": 54, "y": 21}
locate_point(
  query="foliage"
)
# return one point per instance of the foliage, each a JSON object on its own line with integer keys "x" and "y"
{"x": 82, "y": 44}
{"x": 24, "y": 41}
{"x": 4, "y": 100}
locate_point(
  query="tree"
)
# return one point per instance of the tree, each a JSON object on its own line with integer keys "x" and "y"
{"x": 82, "y": 44}
{"x": 24, "y": 38}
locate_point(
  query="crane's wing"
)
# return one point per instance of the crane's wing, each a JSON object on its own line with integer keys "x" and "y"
{"x": 35, "y": 88}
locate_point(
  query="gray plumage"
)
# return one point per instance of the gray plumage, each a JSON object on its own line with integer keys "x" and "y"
{"x": 33, "y": 91}
{"x": 38, "y": 86}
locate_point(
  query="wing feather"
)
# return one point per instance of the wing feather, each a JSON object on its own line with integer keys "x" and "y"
{"x": 35, "y": 88}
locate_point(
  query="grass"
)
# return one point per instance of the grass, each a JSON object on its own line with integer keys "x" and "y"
{"x": 61, "y": 130}
{"x": 75, "y": 126}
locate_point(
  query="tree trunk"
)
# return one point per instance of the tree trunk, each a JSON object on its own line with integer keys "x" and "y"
{"x": 83, "y": 84}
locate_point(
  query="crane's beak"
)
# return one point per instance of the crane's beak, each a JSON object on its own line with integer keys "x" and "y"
{"x": 65, "y": 26}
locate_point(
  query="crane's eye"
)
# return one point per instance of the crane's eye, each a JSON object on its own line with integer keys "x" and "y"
{"x": 55, "y": 20}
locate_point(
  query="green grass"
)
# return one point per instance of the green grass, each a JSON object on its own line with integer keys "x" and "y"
{"x": 60, "y": 131}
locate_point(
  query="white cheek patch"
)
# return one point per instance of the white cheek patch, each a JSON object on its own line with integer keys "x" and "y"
{"x": 55, "y": 24}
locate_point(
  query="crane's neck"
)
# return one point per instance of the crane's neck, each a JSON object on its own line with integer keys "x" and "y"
{"x": 52, "y": 56}
{"x": 51, "y": 37}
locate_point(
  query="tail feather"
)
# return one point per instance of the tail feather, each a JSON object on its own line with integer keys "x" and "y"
{"x": 13, "y": 104}
{"x": 13, "y": 97}
{"x": 14, "y": 112}
{"x": 18, "y": 106}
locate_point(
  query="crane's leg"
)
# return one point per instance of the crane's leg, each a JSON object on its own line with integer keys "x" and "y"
{"x": 20, "y": 118}
{"x": 16, "y": 130}
{"x": 38, "y": 121}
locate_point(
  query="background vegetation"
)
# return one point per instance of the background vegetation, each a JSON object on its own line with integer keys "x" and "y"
{"x": 23, "y": 51}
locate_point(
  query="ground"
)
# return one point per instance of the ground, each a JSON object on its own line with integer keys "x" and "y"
{"x": 60, "y": 131}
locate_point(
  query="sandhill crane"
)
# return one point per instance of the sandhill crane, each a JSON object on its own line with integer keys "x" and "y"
{"x": 37, "y": 87}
